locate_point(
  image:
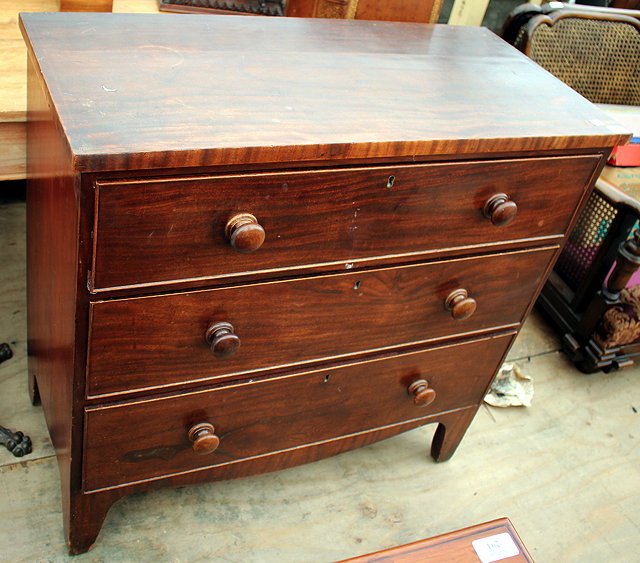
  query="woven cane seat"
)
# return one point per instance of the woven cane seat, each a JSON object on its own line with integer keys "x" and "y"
{"x": 597, "y": 55}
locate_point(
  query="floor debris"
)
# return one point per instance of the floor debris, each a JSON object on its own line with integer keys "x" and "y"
{"x": 510, "y": 388}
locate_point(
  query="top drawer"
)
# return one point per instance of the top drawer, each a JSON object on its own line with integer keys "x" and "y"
{"x": 164, "y": 230}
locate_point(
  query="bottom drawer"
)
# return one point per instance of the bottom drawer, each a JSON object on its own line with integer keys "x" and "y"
{"x": 146, "y": 439}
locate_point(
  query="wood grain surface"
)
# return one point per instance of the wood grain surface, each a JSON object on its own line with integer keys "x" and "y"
{"x": 130, "y": 104}
{"x": 13, "y": 63}
{"x": 151, "y": 342}
{"x": 13, "y": 78}
{"x": 97, "y": 503}
{"x": 426, "y": 11}
{"x": 174, "y": 229}
{"x": 454, "y": 547}
{"x": 13, "y": 161}
{"x": 54, "y": 321}
{"x": 574, "y": 443}
{"x": 253, "y": 419}
{"x": 145, "y": 91}
{"x": 86, "y": 5}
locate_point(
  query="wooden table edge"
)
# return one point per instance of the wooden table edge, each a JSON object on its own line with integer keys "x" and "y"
{"x": 399, "y": 553}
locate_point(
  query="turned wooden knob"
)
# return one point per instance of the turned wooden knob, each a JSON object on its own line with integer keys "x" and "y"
{"x": 460, "y": 304}
{"x": 203, "y": 436}
{"x": 423, "y": 395}
{"x": 223, "y": 340}
{"x": 244, "y": 232}
{"x": 500, "y": 210}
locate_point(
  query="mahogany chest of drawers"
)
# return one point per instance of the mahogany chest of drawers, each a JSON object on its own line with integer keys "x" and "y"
{"x": 254, "y": 243}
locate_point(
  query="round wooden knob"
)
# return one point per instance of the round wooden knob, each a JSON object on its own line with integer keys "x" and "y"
{"x": 203, "y": 436}
{"x": 224, "y": 342}
{"x": 423, "y": 395}
{"x": 500, "y": 210}
{"x": 245, "y": 233}
{"x": 460, "y": 304}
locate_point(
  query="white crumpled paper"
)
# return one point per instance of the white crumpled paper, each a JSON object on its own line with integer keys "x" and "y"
{"x": 510, "y": 388}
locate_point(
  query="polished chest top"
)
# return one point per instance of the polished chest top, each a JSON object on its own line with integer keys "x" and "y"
{"x": 274, "y": 240}
{"x": 161, "y": 91}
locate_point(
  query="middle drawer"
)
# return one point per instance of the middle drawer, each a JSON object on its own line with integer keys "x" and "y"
{"x": 151, "y": 342}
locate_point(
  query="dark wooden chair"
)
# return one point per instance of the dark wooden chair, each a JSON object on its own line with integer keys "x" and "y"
{"x": 597, "y": 53}
{"x": 249, "y": 7}
{"x": 424, "y": 11}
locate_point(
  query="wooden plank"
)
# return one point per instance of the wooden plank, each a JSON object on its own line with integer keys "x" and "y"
{"x": 468, "y": 12}
{"x": 13, "y": 136}
{"x": 136, "y": 6}
{"x": 426, "y": 11}
{"x": 9, "y": 9}
{"x": 85, "y": 5}
{"x": 13, "y": 84}
{"x": 13, "y": 63}
{"x": 13, "y": 81}
{"x": 494, "y": 541}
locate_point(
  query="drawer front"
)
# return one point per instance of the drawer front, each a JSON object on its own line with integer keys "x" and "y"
{"x": 147, "y": 439}
{"x": 170, "y": 230}
{"x": 156, "y": 341}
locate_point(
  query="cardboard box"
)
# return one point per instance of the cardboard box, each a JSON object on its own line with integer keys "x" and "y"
{"x": 626, "y": 179}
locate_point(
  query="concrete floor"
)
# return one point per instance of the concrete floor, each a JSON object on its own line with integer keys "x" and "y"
{"x": 566, "y": 471}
